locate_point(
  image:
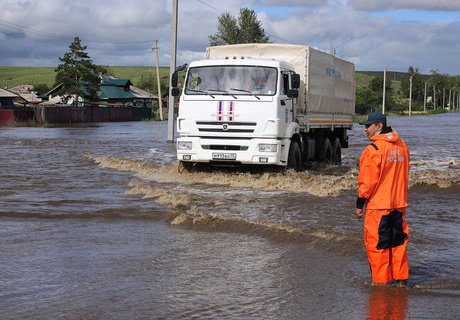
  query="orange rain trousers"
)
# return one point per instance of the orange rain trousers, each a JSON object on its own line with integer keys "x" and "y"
{"x": 386, "y": 235}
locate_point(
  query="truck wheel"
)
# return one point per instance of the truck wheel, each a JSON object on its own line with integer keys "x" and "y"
{"x": 325, "y": 153}
{"x": 336, "y": 152}
{"x": 294, "y": 157}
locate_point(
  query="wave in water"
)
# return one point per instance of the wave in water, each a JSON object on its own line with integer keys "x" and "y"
{"x": 189, "y": 210}
{"x": 327, "y": 181}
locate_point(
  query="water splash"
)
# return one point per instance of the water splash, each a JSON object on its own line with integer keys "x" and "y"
{"x": 324, "y": 181}
{"x": 315, "y": 183}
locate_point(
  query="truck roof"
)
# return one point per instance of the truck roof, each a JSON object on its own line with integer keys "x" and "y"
{"x": 245, "y": 61}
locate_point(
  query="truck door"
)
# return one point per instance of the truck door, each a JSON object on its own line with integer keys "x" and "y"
{"x": 285, "y": 101}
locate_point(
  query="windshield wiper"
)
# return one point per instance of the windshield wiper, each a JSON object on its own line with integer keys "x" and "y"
{"x": 246, "y": 91}
{"x": 201, "y": 91}
{"x": 223, "y": 91}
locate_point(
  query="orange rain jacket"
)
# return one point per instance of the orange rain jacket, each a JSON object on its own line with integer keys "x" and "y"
{"x": 384, "y": 172}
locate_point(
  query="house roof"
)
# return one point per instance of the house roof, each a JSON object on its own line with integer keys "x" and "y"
{"x": 114, "y": 92}
{"x": 54, "y": 90}
{"x": 114, "y": 89}
{"x": 139, "y": 93}
{"x": 7, "y": 94}
{"x": 23, "y": 88}
{"x": 110, "y": 81}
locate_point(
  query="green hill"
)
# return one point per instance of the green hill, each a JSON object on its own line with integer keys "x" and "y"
{"x": 362, "y": 79}
{"x": 13, "y": 76}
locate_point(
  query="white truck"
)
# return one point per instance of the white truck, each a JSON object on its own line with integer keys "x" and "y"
{"x": 265, "y": 104}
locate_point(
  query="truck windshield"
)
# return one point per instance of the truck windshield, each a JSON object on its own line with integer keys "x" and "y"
{"x": 231, "y": 80}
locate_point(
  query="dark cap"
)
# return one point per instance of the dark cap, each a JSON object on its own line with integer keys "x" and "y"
{"x": 375, "y": 117}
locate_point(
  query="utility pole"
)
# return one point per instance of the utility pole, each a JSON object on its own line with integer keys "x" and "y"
{"x": 443, "y": 97}
{"x": 384, "y": 89}
{"x": 410, "y": 95}
{"x": 385, "y": 84}
{"x": 160, "y": 103}
{"x": 450, "y": 104}
{"x": 171, "y": 70}
{"x": 456, "y": 106}
{"x": 424, "y": 99}
{"x": 334, "y": 51}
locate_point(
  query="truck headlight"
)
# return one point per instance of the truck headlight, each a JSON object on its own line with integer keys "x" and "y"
{"x": 268, "y": 147}
{"x": 184, "y": 145}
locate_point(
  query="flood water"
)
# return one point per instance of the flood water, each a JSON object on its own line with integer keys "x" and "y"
{"x": 98, "y": 222}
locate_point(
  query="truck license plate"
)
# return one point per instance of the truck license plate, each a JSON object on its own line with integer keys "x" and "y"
{"x": 223, "y": 156}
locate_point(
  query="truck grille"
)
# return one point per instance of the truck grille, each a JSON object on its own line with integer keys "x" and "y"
{"x": 226, "y": 127}
{"x": 224, "y": 147}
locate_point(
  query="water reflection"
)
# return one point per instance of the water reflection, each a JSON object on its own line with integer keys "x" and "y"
{"x": 387, "y": 303}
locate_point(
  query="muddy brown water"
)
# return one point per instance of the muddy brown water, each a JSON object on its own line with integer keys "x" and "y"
{"x": 97, "y": 222}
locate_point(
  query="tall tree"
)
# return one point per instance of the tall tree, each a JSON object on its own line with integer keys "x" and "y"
{"x": 77, "y": 72}
{"x": 418, "y": 86}
{"x": 439, "y": 82}
{"x": 246, "y": 29}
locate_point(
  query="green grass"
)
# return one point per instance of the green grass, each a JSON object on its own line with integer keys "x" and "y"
{"x": 362, "y": 79}
{"x": 13, "y": 76}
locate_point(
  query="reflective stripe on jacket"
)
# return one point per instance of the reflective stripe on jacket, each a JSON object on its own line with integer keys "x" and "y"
{"x": 384, "y": 172}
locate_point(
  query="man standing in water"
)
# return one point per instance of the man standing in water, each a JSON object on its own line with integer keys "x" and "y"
{"x": 382, "y": 189}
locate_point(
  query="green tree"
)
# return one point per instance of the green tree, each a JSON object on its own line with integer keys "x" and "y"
{"x": 77, "y": 73}
{"x": 246, "y": 29}
{"x": 41, "y": 88}
{"x": 370, "y": 97}
{"x": 439, "y": 82}
{"x": 418, "y": 85}
{"x": 366, "y": 99}
{"x": 454, "y": 88}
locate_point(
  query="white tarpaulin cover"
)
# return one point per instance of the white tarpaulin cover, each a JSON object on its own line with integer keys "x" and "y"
{"x": 327, "y": 82}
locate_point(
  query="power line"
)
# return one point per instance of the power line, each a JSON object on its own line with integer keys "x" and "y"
{"x": 208, "y": 5}
{"x": 287, "y": 41}
{"x": 19, "y": 31}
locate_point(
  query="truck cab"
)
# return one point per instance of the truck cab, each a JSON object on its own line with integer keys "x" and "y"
{"x": 237, "y": 111}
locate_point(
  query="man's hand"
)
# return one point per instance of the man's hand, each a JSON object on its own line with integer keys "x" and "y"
{"x": 359, "y": 213}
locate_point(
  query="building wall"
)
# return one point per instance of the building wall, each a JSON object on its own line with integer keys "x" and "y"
{"x": 53, "y": 114}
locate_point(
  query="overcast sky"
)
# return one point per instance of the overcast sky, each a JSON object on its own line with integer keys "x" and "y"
{"x": 394, "y": 34}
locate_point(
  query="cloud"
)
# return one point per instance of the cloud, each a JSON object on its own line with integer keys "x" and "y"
{"x": 377, "y": 42}
{"x": 291, "y": 3}
{"x": 116, "y": 32}
{"x": 378, "y": 5}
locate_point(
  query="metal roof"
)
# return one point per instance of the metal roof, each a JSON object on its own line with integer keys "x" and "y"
{"x": 114, "y": 92}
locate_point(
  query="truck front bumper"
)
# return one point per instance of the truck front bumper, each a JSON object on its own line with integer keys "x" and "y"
{"x": 243, "y": 151}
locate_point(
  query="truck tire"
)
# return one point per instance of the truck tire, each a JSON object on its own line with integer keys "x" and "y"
{"x": 294, "y": 157}
{"x": 336, "y": 152}
{"x": 325, "y": 152}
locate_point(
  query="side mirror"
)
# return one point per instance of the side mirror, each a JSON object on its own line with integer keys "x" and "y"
{"x": 174, "y": 75}
{"x": 175, "y": 91}
{"x": 174, "y": 79}
{"x": 293, "y": 93}
{"x": 295, "y": 81}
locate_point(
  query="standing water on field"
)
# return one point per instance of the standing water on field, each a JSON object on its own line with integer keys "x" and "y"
{"x": 99, "y": 222}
